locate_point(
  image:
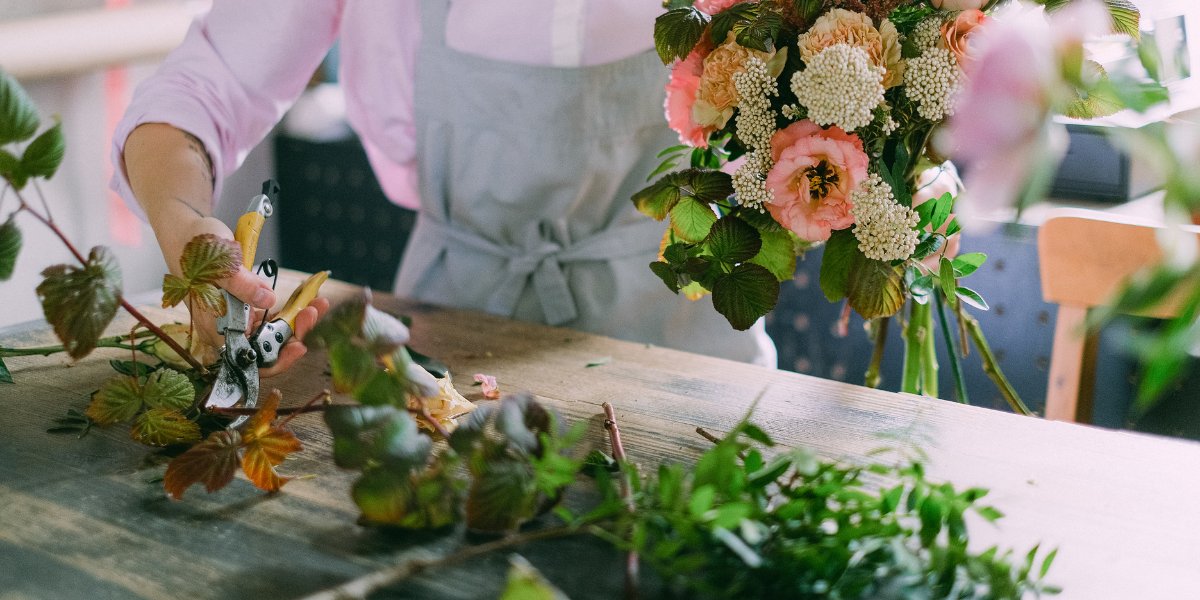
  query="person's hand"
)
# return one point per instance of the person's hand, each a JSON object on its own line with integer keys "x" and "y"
{"x": 294, "y": 348}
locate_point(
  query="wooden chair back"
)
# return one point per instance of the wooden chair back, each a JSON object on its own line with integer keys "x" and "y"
{"x": 1085, "y": 257}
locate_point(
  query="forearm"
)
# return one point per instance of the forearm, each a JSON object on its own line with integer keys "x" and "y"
{"x": 171, "y": 176}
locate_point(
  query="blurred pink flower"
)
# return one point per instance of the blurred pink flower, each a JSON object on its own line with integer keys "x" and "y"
{"x": 681, "y": 96}
{"x": 1002, "y": 130}
{"x": 713, "y": 7}
{"x": 815, "y": 171}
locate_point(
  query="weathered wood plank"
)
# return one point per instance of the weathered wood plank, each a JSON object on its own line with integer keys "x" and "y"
{"x": 1119, "y": 505}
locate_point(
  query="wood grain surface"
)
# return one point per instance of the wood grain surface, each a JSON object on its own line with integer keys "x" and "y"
{"x": 87, "y": 518}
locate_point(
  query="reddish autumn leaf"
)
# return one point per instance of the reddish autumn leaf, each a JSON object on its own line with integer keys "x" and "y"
{"x": 211, "y": 462}
{"x": 267, "y": 445}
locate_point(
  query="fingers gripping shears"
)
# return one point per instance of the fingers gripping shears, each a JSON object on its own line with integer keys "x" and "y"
{"x": 246, "y": 351}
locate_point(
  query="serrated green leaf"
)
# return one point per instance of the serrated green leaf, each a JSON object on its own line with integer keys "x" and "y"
{"x": 175, "y": 290}
{"x": 745, "y": 294}
{"x": 79, "y": 302}
{"x": 501, "y": 497}
{"x": 760, "y": 33}
{"x": 1125, "y": 17}
{"x": 841, "y": 252}
{"x": 691, "y": 219}
{"x": 724, "y": 21}
{"x": 708, "y": 185}
{"x": 874, "y": 288}
{"x": 118, "y": 399}
{"x": 45, "y": 153}
{"x": 971, "y": 297}
{"x": 168, "y": 389}
{"x": 666, "y": 274}
{"x": 777, "y": 255}
{"x": 732, "y": 240}
{"x": 18, "y": 117}
{"x": 965, "y": 264}
{"x": 677, "y": 31}
{"x": 657, "y": 199}
{"x": 10, "y": 169}
{"x": 10, "y": 247}
{"x": 208, "y": 259}
{"x": 164, "y": 427}
{"x": 1100, "y": 101}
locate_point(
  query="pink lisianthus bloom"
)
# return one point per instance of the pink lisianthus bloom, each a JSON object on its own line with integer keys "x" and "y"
{"x": 713, "y": 7}
{"x": 815, "y": 171}
{"x": 681, "y": 96}
{"x": 1002, "y": 128}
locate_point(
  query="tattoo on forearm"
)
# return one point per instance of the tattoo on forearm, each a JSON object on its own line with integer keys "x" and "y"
{"x": 189, "y": 205}
{"x": 197, "y": 147}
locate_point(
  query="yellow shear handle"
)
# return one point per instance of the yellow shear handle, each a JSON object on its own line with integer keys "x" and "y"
{"x": 249, "y": 226}
{"x": 301, "y": 297}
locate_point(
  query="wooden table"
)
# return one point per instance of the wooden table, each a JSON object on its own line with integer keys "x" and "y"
{"x": 87, "y": 518}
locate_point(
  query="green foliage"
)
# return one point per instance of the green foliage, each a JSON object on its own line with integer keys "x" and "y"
{"x": 122, "y": 397}
{"x": 79, "y": 302}
{"x": 10, "y": 247}
{"x": 840, "y": 252}
{"x": 1125, "y": 17}
{"x": 692, "y": 220}
{"x": 751, "y": 25}
{"x": 744, "y": 294}
{"x": 677, "y": 31}
{"x": 752, "y": 523}
{"x": 657, "y": 199}
{"x": 362, "y": 339}
{"x": 778, "y": 253}
{"x": 205, "y": 260}
{"x": 164, "y": 427}
{"x": 44, "y": 154}
{"x": 526, "y": 583}
{"x": 18, "y": 117}
{"x": 5, "y": 375}
{"x": 874, "y": 288}
{"x": 75, "y": 421}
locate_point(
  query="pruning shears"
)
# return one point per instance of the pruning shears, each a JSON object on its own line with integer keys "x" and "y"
{"x": 246, "y": 351}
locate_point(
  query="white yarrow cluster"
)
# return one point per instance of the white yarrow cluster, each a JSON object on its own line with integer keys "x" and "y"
{"x": 755, "y": 126}
{"x": 755, "y": 120}
{"x": 840, "y": 86}
{"x": 750, "y": 181}
{"x": 933, "y": 80}
{"x": 925, "y": 35}
{"x": 885, "y": 230}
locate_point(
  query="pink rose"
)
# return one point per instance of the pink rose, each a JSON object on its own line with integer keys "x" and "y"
{"x": 681, "y": 96}
{"x": 958, "y": 33}
{"x": 815, "y": 171}
{"x": 959, "y": 4}
{"x": 713, "y": 7}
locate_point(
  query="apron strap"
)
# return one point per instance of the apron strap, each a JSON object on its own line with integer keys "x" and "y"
{"x": 540, "y": 260}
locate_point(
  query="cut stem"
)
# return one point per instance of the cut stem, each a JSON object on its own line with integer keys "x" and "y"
{"x": 614, "y": 435}
{"x": 116, "y": 341}
{"x": 929, "y": 358}
{"x": 48, "y": 222}
{"x": 951, "y": 350}
{"x": 365, "y": 585}
{"x": 910, "y": 379}
{"x": 872, "y": 379}
{"x": 991, "y": 366}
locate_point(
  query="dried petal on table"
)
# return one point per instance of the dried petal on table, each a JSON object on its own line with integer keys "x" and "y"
{"x": 491, "y": 390}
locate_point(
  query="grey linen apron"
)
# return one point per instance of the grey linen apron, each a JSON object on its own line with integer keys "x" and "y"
{"x": 525, "y": 178}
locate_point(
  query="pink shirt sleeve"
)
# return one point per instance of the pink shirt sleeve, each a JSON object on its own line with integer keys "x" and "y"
{"x": 237, "y": 71}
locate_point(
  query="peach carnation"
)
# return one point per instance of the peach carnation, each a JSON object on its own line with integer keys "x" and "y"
{"x": 957, "y": 33}
{"x": 815, "y": 171}
{"x": 717, "y": 96}
{"x": 681, "y": 96}
{"x": 841, "y": 26}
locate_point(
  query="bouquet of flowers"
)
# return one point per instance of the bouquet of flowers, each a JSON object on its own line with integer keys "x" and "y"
{"x": 814, "y": 122}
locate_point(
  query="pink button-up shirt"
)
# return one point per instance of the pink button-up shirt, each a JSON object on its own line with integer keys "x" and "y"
{"x": 245, "y": 62}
